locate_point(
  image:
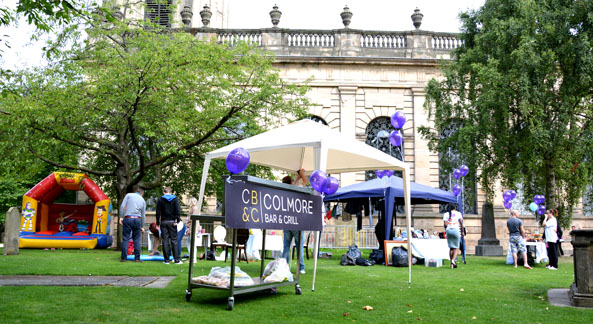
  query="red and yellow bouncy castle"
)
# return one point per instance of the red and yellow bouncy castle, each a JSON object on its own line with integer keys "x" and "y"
{"x": 45, "y": 224}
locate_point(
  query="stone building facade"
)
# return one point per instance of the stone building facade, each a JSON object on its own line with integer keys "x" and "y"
{"x": 359, "y": 78}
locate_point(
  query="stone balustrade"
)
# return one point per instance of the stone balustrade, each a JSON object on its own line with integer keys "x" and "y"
{"x": 339, "y": 42}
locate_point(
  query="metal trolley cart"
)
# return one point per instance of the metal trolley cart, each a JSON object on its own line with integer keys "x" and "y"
{"x": 245, "y": 208}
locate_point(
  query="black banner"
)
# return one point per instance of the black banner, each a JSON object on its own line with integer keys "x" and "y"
{"x": 253, "y": 205}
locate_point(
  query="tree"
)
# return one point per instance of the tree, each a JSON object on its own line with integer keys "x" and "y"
{"x": 140, "y": 105}
{"x": 519, "y": 95}
{"x": 44, "y": 14}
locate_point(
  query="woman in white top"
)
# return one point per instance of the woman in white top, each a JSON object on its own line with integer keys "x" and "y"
{"x": 453, "y": 222}
{"x": 551, "y": 224}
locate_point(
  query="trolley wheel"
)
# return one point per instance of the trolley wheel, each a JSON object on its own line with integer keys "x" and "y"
{"x": 187, "y": 295}
{"x": 297, "y": 290}
{"x": 231, "y": 303}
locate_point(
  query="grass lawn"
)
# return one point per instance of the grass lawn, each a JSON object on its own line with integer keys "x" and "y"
{"x": 484, "y": 290}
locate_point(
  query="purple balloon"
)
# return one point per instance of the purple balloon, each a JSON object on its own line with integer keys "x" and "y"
{"x": 380, "y": 173}
{"x": 237, "y": 160}
{"x": 541, "y": 209}
{"x": 539, "y": 199}
{"x": 507, "y": 196}
{"x": 387, "y": 173}
{"x": 456, "y": 174}
{"x": 398, "y": 119}
{"x": 331, "y": 185}
{"x": 464, "y": 170}
{"x": 513, "y": 194}
{"x": 318, "y": 179}
{"x": 456, "y": 189}
{"x": 396, "y": 138}
{"x": 508, "y": 204}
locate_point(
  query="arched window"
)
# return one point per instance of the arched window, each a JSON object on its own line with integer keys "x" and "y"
{"x": 317, "y": 119}
{"x": 448, "y": 162}
{"x": 377, "y": 132}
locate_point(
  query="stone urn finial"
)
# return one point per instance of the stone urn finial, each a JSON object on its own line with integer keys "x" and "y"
{"x": 275, "y": 14}
{"x": 417, "y": 18}
{"x": 206, "y": 14}
{"x": 186, "y": 15}
{"x": 346, "y": 16}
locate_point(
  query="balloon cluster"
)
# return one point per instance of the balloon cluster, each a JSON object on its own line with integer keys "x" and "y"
{"x": 383, "y": 173}
{"x": 237, "y": 160}
{"x": 458, "y": 173}
{"x": 322, "y": 183}
{"x": 537, "y": 204}
{"x": 508, "y": 196}
{"x": 397, "y": 120}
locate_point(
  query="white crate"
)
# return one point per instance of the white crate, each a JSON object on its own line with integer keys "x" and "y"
{"x": 433, "y": 262}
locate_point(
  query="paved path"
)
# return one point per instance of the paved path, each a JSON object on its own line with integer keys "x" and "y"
{"x": 113, "y": 281}
{"x": 559, "y": 297}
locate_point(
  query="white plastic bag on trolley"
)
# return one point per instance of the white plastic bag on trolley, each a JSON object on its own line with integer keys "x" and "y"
{"x": 241, "y": 278}
{"x": 277, "y": 271}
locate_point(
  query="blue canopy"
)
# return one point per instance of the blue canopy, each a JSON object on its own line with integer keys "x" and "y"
{"x": 392, "y": 189}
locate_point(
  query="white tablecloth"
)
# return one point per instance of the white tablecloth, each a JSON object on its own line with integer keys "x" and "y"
{"x": 430, "y": 248}
{"x": 273, "y": 242}
{"x": 541, "y": 254}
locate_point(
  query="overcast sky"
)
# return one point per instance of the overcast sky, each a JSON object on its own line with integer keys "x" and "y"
{"x": 394, "y": 15}
{"x": 439, "y": 15}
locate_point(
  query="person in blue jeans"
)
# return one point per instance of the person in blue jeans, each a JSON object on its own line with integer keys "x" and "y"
{"x": 300, "y": 181}
{"x": 133, "y": 213}
{"x": 180, "y": 234}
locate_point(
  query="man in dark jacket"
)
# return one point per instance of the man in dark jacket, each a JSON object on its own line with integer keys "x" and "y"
{"x": 168, "y": 211}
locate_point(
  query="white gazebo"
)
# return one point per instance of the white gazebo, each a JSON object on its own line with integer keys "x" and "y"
{"x": 312, "y": 146}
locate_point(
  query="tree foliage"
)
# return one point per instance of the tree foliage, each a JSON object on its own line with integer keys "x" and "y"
{"x": 45, "y": 14}
{"x": 135, "y": 104}
{"x": 519, "y": 93}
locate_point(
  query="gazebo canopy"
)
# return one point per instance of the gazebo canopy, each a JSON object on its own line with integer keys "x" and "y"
{"x": 312, "y": 146}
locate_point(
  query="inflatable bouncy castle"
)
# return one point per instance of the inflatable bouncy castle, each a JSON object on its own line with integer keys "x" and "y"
{"x": 45, "y": 224}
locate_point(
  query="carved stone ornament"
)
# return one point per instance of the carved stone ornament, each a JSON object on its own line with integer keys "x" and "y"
{"x": 346, "y": 16}
{"x": 206, "y": 14}
{"x": 275, "y": 14}
{"x": 417, "y": 18}
{"x": 186, "y": 15}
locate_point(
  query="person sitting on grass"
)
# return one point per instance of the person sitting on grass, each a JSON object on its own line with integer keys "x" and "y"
{"x": 517, "y": 238}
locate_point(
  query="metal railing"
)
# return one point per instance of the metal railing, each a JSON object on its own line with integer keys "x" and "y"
{"x": 343, "y": 236}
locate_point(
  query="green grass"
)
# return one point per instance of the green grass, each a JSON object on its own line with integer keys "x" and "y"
{"x": 486, "y": 288}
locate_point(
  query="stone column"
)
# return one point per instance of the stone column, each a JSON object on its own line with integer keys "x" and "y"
{"x": 347, "y": 104}
{"x": 581, "y": 291}
{"x": 422, "y": 153}
{"x": 11, "y": 232}
{"x": 488, "y": 245}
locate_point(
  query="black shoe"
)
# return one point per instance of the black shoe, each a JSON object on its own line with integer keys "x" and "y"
{"x": 122, "y": 260}
{"x": 455, "y": 265}
{"x": 138, "y": 261}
